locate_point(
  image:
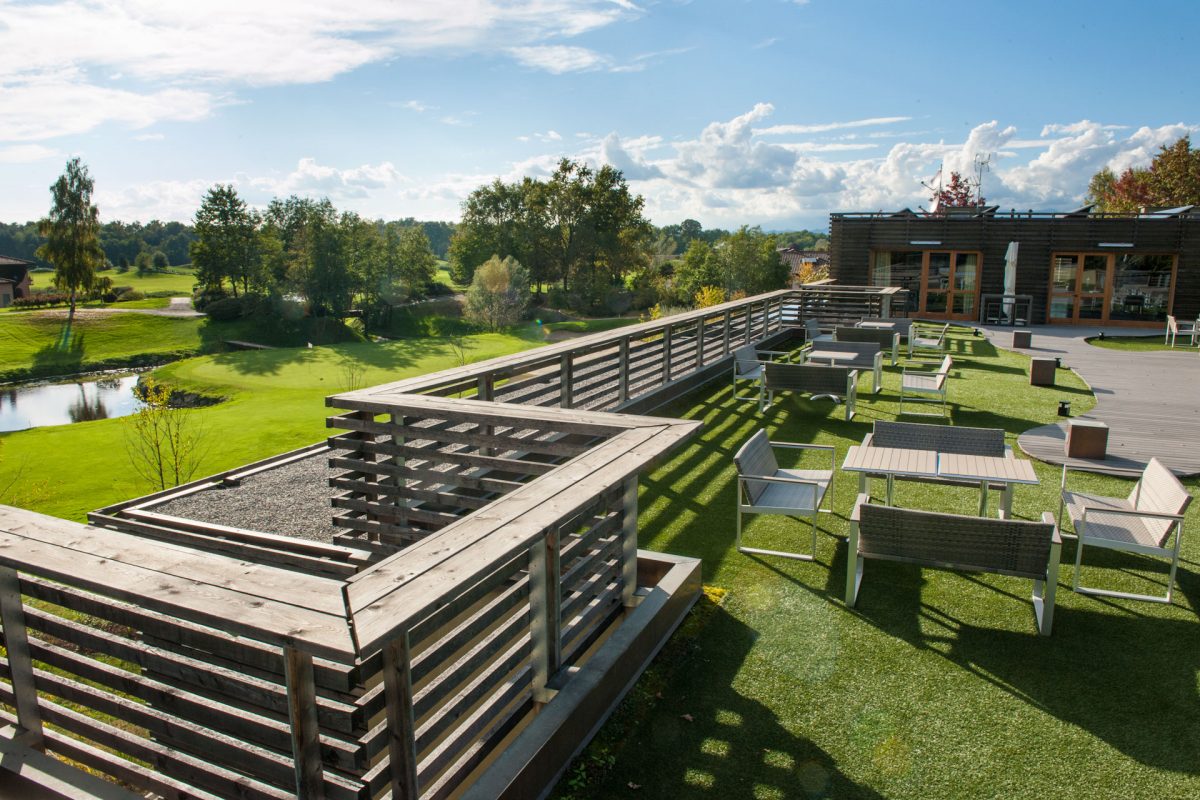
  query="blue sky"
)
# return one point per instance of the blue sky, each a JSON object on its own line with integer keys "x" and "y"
{"x": 769, "y": 112}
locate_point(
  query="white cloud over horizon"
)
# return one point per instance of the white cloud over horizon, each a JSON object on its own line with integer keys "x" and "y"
{"x": 72, "y": 65}
{"x": 725, "y": 176}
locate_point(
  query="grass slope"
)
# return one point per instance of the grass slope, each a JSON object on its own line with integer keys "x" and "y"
{"x": 1136, "y": 343}
{"x": 937, "y": 684}
{"x": 276, "y": 403}
{"x": 40, "y": 343}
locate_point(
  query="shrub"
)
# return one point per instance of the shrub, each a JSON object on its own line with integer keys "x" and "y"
{"x": 226, "y": 309}
{"x": 130, "y": 294}
{"x": 205, "y": 295}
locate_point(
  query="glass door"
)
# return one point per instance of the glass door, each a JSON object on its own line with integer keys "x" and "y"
{"x": 951, "y": 285}
{"x": 1125, "y": 288}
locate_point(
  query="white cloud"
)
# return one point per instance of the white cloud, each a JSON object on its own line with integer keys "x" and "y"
{"x": 164, "y": 200}
{"x": 311, "y": 179}
{"x": 25, "y": 153}
{"x": 417, "y": 106}
{"x": 822, "y": 127}
{"x": 635, "y": 168}
{"x": 148, "y": 60}
{"x": 559, "y": 58}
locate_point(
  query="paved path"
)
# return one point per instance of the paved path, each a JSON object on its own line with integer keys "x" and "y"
{"x": 1150, "y": 400}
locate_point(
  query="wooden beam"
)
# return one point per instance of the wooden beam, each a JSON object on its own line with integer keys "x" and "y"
{"x": 16, "y": 642}
{"x": 401, "y": 725}
{"x": 306, "y": 729}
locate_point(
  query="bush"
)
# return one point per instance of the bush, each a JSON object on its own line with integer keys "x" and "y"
{"x": 205, "y": 295}
{"x": 43, "y": 299}
{"x": 226, "y": 309}
{"x": 130, "y": 294}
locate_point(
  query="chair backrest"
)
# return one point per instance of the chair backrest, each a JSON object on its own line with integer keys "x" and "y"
{"x": 745, "y": 359}
{"x": 946, "y": 364}
{"x": 1161, "y": 492}
{"x": 756, "y": 458}
{"x": 1172, "y": 325}
{"x": 880, "y": 336}
{"x": 811, "y": 378}
{"x": 1009, "y": 547}
{"x": 939, "y": 438}
{"x": 812, "y": 329}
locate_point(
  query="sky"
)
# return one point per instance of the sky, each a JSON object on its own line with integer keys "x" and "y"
{"x": 730, "y": 112}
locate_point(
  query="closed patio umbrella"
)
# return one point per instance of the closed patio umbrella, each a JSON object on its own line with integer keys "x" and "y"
{"x": 1010, "y": 278}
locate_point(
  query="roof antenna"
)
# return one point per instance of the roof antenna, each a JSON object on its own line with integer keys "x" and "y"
{"x": 935, "y": 185}
{"x": 983, "y": 163}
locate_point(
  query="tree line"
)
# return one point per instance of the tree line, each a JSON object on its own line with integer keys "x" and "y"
{"x": 1172, "y": 179}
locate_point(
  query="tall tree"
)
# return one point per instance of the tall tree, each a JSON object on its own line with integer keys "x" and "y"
{"x": 227, "y": 245}
{"x": 499, "y": 293}
{"x": 72, "y": 232}
{"x": 752, "y": 261}
{"x": 1171, "y": 179}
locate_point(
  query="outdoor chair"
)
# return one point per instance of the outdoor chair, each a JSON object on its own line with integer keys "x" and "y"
{"x": 857, "y": 355}
{"x": 950, "y": 541}
{"x": 886, "y": 339}
{"x": 925, "y": 386}
{"x": 927, "y": 337}
{"x": 747, "y": 366}
{"x": 1145, "y": 522}
{"x": 1176, "y": 329}
{"x": 764, "y": 488}
{"x": 836, "y": 383}
{"x": 812, "y": 332}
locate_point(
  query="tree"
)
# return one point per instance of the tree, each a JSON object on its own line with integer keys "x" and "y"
{"x": 227, "y": 241}
{"x": 499, "y": 293}
{"x": 416, "y": 261}
{"x": 159, "y": 260}
{"x": 752, "y": 261}
{"x": 956, "y": 194}
{"x": 72, "y": 232}
{"x": 700, "y": 267}
{"x": 165, "y": 444}
{"x": 1172, "y": 179}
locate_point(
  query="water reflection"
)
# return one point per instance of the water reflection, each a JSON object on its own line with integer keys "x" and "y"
{"x": 39, "y": 405}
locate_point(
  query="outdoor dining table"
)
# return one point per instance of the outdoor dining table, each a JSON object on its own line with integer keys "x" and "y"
{"x": 831, "y": 356}
{"x": 872, "y": 323}
{"x": 893, "y": 462}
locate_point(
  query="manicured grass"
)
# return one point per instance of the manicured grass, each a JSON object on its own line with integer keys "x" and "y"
{"x": 1147, "y": 342}
{"x": 937, "y": 684}
{"x": 177, "y": 281}
{"x": 275, "y": 403}
{"x": 40, "y": 343}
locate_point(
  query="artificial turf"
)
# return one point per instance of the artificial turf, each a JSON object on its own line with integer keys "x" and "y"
{"x": 937, "y": 684}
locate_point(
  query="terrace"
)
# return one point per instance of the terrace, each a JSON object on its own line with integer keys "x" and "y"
{"x": 478, "y": 604}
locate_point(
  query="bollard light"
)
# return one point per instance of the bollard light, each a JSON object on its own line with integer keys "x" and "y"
{"x": 1064, "y": 408}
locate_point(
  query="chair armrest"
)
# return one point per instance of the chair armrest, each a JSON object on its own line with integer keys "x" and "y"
{"x": 860, "y": 501}
{"x": 798, "y": 446}
{"x": 1132, "y": 512}
{"x": 866, "y": 442}
{"x": 1048, "y": 518}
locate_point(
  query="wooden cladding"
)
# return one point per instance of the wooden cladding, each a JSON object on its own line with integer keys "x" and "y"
{"x": 854, "y": 237}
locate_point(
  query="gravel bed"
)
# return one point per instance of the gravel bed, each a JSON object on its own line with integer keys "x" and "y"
{"x": 291, "y": 500}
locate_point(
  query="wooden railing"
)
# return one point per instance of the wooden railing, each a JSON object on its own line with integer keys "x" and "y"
{"x": 489, "y": 519}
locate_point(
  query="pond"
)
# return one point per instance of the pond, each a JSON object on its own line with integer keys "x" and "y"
{"x": 42, "y": 404}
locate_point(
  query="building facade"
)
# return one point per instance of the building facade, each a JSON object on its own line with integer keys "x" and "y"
{"x": 1076, "y": 267}
{"x": 15, "y": 280}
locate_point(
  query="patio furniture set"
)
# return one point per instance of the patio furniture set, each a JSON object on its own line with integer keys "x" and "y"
{"x": 1149, "y": 521}
{"x": 828, "y": 364}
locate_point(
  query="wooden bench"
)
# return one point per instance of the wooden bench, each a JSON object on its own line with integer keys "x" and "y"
{"x": 926, "y": 386}
{"x": 811, "y": 379}
{"x": 886, "y": 339}
{"x": 857, "y": 355}
{"x": 950, "y": 541}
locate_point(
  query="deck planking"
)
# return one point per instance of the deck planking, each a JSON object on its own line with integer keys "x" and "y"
{"x": 1149, "y": 400}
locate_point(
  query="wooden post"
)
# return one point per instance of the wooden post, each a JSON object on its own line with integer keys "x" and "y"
{"x": 700, "y": 343}
{"x": 397, "y": 479}
{"x": 16, "y": 641}
{"x": 666, "y": 362}
{"x": 629, "y": 541}
{"x": 302, "y": 711}
{"x": 749, "y": 309}
{"x": 623, "y": 371}
{"x": 402, "y": 726}
{"x": 725, "y": 333}
{"x": 564, "y": 371}
{"x": 485, "y": 391}
{"x": 545, "y": 615}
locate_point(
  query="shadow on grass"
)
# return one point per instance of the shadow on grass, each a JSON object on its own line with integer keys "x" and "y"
{"x": 705, "y": 738}
{"x": 1121, "y": 672}
{"x": 63, "y": 356}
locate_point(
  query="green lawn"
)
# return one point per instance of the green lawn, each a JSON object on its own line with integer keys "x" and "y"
{"x": 177, "y": 281}
{"x": 276, "y": 403}
{"x": 937, "y": 685}
{"x": 1152, "y": 341}
{"x": 40, "y": 343}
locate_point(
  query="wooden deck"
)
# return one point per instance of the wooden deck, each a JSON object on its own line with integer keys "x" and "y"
{"x": 1150, "y": 401}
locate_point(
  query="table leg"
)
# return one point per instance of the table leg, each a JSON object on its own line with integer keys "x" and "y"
{"x": 891, "y": 482}
{"x": 983, "y": 498}
{"x": 1008, "y": 498}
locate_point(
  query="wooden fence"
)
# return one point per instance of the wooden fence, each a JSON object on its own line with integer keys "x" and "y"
{"x": 489, "y": 546}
